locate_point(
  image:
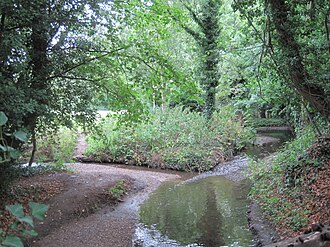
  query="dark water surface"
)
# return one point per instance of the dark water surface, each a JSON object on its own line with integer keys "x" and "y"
{"x": 207, "y": 210}
{"x": 261, "y": 151}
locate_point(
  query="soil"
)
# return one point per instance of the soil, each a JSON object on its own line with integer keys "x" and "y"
{"x": 81, "y": 213}
{"x": 81, "y": 146}
{"x": 262, "y": 229}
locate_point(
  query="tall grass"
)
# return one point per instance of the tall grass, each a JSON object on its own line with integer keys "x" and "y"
{"x": 174, "y": 138}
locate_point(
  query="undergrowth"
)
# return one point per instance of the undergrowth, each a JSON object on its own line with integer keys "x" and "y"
{"x": 118, "y": 190}
{"x": 54, "y": 146}
{"x": 267, "y": 122}
{"x": 174, "y": 138}
{"x": 283, "y": 187}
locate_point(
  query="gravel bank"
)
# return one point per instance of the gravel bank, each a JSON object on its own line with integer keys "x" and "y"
{"x": 110, "y": 226}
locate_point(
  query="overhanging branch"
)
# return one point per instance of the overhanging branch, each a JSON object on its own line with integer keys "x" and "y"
{"x": 198, "y": 37}
{"x": 86, "y": 62}
{"x": 193, "y": 15}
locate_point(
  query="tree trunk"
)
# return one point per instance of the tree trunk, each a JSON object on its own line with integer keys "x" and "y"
{"x": 34, "y": 147}
{"x": 39, "y": 65}
{"x": 300, "y": 79}
{"x": 206, "y": 38}
{"x": 210, "y": 82}
{"x": 210, "y": 78}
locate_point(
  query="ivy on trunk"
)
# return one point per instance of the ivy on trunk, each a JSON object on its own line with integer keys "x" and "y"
{"x": 301, "y": 80}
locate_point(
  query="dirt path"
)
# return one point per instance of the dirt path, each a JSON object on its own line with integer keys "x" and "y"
{"x": 81, "y": 146}
{"x": 80, "y": 215}
{"x": 71, "y": 220}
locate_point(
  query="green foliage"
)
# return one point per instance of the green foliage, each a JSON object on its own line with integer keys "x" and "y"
{"x": 276, "y": 190}
{"x": 118, "y": 190}
{"x": 37, "y": 63}
{"x": 266, "y": 122}
{"x": 174, "y": 138}
{"x": 57, "y": 146}
{"x": 23, "y": 226}
{"x": 8, "y": 154}
{"x": 3, "y": 118}
{"x": 299, "y": 49}
{"x": 38, "y": 210}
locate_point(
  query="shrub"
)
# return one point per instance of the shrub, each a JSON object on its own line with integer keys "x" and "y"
{"x": 8, "y": 154}
{"x": 174, "y": 138}
{"x": 23, "y": 225}
{"x": 267, "y": 122}
{"x": 118, "y": 190}
{"x": 58, "y": 146}
{"x": 282, "y": 186}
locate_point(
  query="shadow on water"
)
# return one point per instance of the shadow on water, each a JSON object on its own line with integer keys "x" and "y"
{"x": 207, "y": 210}
{"x": 268, "y": 142}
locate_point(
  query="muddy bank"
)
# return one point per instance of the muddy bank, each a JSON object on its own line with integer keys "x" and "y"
{"x": 77, "y": 219}
{"x": 263, "y": 231}
{"x": 318, "y": 236}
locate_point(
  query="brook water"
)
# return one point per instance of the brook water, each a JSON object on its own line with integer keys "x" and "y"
{"x": 207, "y": 210}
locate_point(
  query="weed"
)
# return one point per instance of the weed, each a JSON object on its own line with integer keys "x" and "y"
{"x": 280, "y": 186}
{"x": 174, "y": 138}
{"x": 117, "y": 191}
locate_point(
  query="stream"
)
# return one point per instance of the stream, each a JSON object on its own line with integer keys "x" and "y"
{"x": 209, "y": 209}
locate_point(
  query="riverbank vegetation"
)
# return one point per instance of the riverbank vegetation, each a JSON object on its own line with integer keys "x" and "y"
{"x": 186, "y": 80}
{"x": 54, "y": 146}
{"x": 292, "y": 187}
{"x": 173, "y": 138}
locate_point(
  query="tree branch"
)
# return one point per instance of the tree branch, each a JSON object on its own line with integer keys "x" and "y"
{"x": 249, "y": 21}
{"x": 198, "y": 38}
{"x": 34, "y": 147}
{"x": 144, "y": 62}
{"x": 86, "y": 62}
{"x": 79, "y": 78}
{"x": 193, "y": 15}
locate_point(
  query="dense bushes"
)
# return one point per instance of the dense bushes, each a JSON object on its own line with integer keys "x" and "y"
{"x": 57, "y": 146}
{"x": 267, "y": 122}
{"x": 287, "y": 188}
{"x": 174, "y": 138}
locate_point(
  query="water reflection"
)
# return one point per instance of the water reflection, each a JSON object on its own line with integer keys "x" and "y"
{"x": 208, "y": 212}
{"x": 261, "y": 151}
{"x": 210, "y": 223}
